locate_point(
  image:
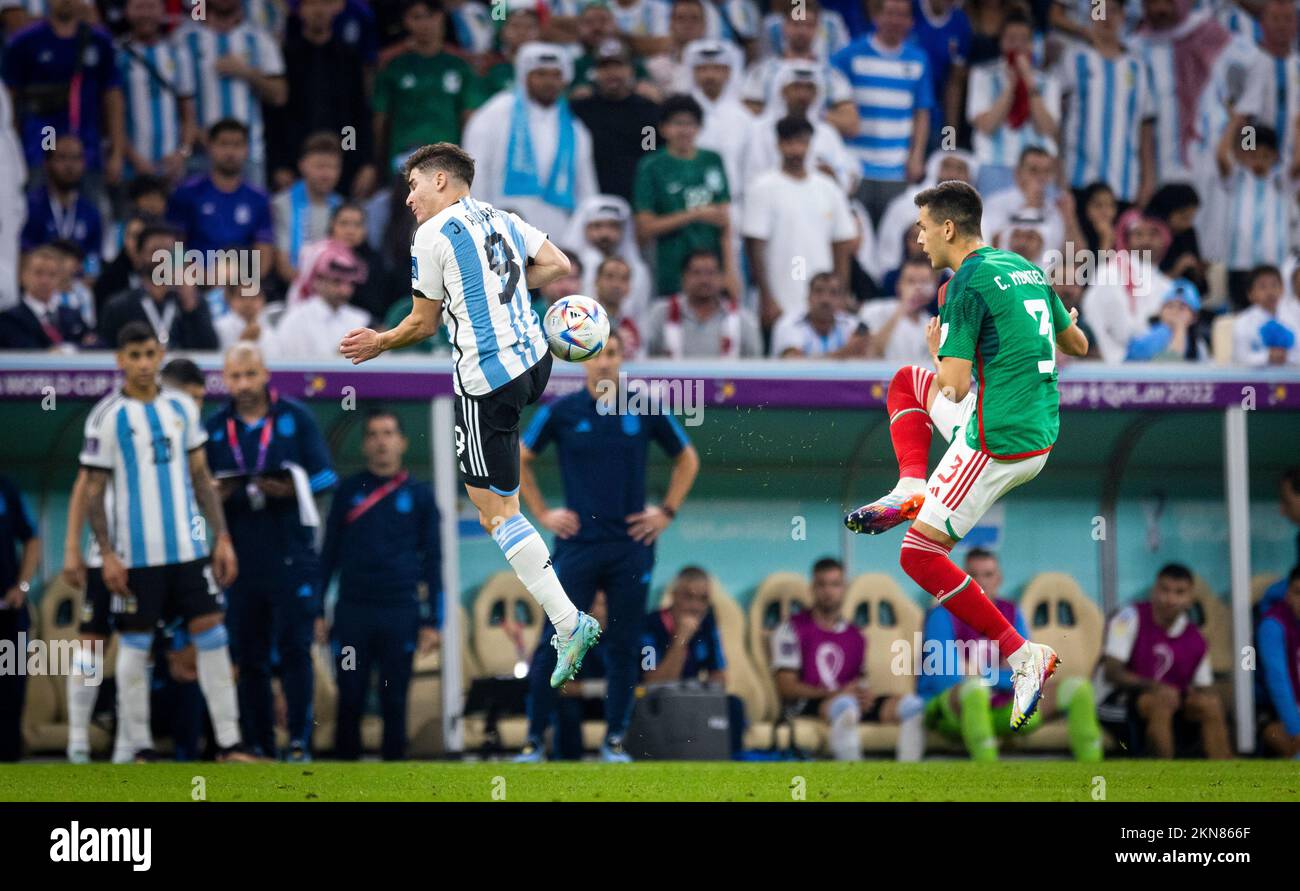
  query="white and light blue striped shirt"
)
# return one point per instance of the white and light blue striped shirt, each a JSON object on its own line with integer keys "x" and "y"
{"x": 646, "y": 18}
{"x": 832, "y": 34}
{"x": 888, "y": 87}
{"x": 146, "y": 447}
{"x": 1259, "y": 218}
{"x": 153, "y": 116}
{"x": 218, "y": 97}
{"x": 473, "y": 257}
{"x": 1003, "y": 146}
{"x": 1272, "y": 96}
{"x": 1108, "y": 100}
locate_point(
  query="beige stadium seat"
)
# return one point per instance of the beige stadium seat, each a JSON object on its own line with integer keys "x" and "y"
{"x": 507, "y": 623}
{"x": 778, "y": 596}
{"x": 55, "y": 617}
{"x": 1062, "y": 616}
{"x": 1214, "y": 618}
{"x": 884, "y": 614}
{"x": 424, "y": 704}
{"x": 1221, "y": 338}
{"x": 1260, "y": 583}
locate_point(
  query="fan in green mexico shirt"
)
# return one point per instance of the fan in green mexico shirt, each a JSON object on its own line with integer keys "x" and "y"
{"x": 999, "y": 317}
{"x": 422, "y": 95}
{"x": 681, "y": 196}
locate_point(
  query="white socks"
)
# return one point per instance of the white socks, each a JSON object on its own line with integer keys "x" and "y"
{"x": 911, "y": 729}
{"x": 531, "y": 561}
{"x": 217, "y": 683}
{"x": 908, "y": 486}
{"x": 1021, "y": 656}
{"x": 82, "y": 694}
{"x": 845, "y": 742}
{"x": 133, "y": 692}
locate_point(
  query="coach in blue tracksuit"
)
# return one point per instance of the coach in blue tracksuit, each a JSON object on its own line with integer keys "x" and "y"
{"x": 274, "y": 603}
{"x": 382, "y": 539}
{"x": 605, "y": 530}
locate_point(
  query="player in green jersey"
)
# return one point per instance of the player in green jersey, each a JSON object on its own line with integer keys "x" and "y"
{"x": 999, "y": 319}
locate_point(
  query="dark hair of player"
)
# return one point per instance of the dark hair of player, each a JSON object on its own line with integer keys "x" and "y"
{"x": 227, "y": 125}
{"x": 182, "y": 373}
{"x": 1291, "y": 477}
{"x": 793, "y": 126}
{"x": 135, "y": 332}
{"x": 321, "y": 143}
{"x": 1175, "y": 571}
{"x": 145, "y": 184}
{"x": 152, "y": 230}
{"x": 1260, "y": 271}
{"x": 954, "y": 200}
{"x": 680, "y": 103}
{"x": 826, "y": 564}
{"x": 445, "y": 156}
{"x": 377, "y": 413}
{"x": 696, "y": 254}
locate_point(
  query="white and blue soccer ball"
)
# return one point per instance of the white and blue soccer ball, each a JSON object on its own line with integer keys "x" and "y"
{"x": 576, "y": 328}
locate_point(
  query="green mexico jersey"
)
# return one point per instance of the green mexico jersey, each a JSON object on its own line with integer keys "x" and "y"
{"x": 666, "y": 184}
{"x": 424, "y": 98}
{"x": 1000, "y": 313}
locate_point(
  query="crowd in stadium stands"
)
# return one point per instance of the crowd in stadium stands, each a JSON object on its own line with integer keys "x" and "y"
{"x": 1142, "y": 151}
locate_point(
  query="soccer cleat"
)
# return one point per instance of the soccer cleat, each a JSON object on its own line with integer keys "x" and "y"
{"x": 530, "y": 754}
{"x": 612, "y": 752}
{"x": 146, "y": 756}
{"x": 237, "y": 754}
{"x": 297, "y": 755}
{"x": 78, "y": 756}
{"x": 884, "y": 513}
{"x": 1027, "y": 682}
{"x": 570, "y": 652}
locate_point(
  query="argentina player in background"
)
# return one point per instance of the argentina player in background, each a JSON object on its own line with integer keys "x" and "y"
{"x": 477, "y": 263}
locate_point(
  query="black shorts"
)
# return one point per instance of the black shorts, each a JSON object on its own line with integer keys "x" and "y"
{"x": 182, "y": 591}
{"x": 487, "y": 430}
{"x": 96, "y": 610}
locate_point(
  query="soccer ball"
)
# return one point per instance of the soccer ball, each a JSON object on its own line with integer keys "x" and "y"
{"x": 576, "y": 328}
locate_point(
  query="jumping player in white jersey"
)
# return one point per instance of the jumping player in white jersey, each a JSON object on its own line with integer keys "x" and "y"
{"x": 473, "y": 265}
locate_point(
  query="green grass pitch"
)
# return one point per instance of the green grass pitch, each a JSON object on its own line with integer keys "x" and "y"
{"x": 679, "y": 781}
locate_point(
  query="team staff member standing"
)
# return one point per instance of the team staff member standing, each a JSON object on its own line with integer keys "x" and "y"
{"x": 606, "y": 531}
{"x": 275, "y": 601}
{"x": 382, "y": 539}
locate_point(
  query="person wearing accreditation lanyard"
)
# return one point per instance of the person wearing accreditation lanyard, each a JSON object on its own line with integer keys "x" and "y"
{"x": 270, "y": 459}
{"x": 382, "y": 539}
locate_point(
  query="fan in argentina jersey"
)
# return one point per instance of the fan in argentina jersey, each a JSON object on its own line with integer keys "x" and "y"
{"x": 1001, "y": 319}
{"x": 472, "y": 265}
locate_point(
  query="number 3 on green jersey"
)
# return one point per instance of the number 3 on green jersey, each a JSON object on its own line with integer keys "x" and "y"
{"x": 1000, "y": 313}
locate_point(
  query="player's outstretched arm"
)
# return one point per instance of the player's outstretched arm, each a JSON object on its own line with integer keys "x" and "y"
{"x": 1072, "y": 341}
{"x": 361, "y": 344}
{"x": 549, "y": 264}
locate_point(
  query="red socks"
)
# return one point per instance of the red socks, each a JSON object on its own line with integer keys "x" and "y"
{"x": 909, "y": 422}
{"x": 928, "y": 564}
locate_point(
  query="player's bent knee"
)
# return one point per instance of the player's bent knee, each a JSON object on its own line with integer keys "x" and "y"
{"x": 842, "y": 704}
{"x": 200, "y": 624}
